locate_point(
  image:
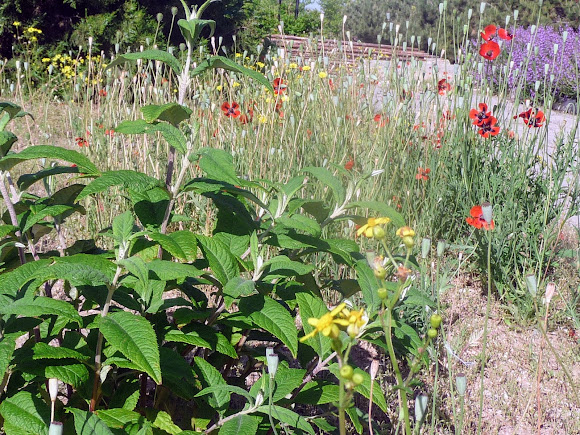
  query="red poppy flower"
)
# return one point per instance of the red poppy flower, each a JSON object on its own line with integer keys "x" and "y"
{"x": 505, "y": 35}
{"x": 443, "y": 87}
{"x": 488, "y": 127}
{"x": 244, "y": 119}
{"x": 489, "y": 32}
{"x": 476, "y": 219}
{"x": 110, "y": 132}
{"x": 349, "y": 165}
{"x": 526, "y": 115}
{"x": 479, "y": 116}
{"x": 279, "y": 86}
{"x": 231, "y": 109}
{"x": 536, "y": 120}
{"x": 103, "y": 93}
{"x": 489, "y": 50}
{"x": 81, "y": 142}
{"x": 422, "y": 174}
{"x": 380, "y": 120}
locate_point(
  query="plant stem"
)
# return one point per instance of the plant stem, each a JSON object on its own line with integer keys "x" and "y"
{"x": 482, "y": 372}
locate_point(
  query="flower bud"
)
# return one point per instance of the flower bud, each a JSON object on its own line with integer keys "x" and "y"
{"x": 55, "y": 428}
{"x": 272, "y": 360}
{"x": 53, "y": 388}
{"x": 441, "y": 247}
{"x": 461, "y": 384}
{"x": 421, "y": 402}
{"x": 425, "y": 247}
{"x": 380, "y": 272}
{"x": 174, "y": 11}
{"x": 378, "y": 232}
{"x": 532, "y": 284}
{"x": 159, "y": 17}
{"x": 487, "y": 210}
{"x": 357, "y": 379}
{"x": 550, "y": 290}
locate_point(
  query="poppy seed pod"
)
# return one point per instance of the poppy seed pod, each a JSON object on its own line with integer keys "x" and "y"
{"x": 532, "y": 284}
{"x": 425, "y": 247}
{"x": 461, "y": 384}
{"x": 272, "y": 360}
{"x": 421, "y": 402}
{"x": 487, "y": 210}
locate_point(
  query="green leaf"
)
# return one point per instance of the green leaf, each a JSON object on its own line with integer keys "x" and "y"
{"x": 42, "y": 306}
{"x": 368, "y": 284}
{"x": 318, "y": 393}
{"x": 162, "y": 420}
{"x": 301, "y": 223}
{"x": 118, "y": 418}
{"x": 171, "y": 134}
{"x": 170, "y": 270}
{"x": 187, "y": 242}
{"x": 282, "y": 266}
{"x": 210, "y": 376}
{"x": 159, "y": 55}
{"x": 326, "y": 177}
{"x": 313, "y": 307}
{"x": 72, "y": 374}
{"x": 78, "y": 269}
{"x": 345, "y": 250}
{"x": 52, "y": 210}
{"x": 7, "y": 139}
{"x": 241, "y": 425}
{"x": 27, "y": 180}
{"x": 135, "y": 338}
{"x": 222, "y": 263}
{"x": 49, "y": 152}
{"x": 44, "y": 351}
{"x": 128, "y": 179}
{"x": 227, "y": 388}
{"x": 123, "y": 227}
{"x": 87, "y": 423}
{"x": 13, "y": 281}
{"x": 285, "y": 382}
{"x": 288, "y": 417}
{"x": 236, "y": 287}
{"x": 7, "y": 346}
{"x": 191, "y": 29}
{"x": 24, "y": 413}
{"x": 168, "y": 244}
{"x": 272, "y": 317}
{"x": 353, "y": 413}
{"x": 171, "y": 112}
{"x": 230, "y": 65}
{"x": 203, "y": 336}
{"x": 218, "y": 164}
{"x": 383, "y": 209}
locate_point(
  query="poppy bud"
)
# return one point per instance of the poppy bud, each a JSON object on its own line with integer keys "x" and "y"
{"x": 461, "y": 384}
{"x": 532, "y": 284}
{"x": 421, "y": 402}
{"x": 487, "y": 210}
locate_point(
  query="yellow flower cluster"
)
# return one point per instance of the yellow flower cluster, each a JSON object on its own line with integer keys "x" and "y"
{"x": 34, "y": 30}
{"x": 68, "y": 65}
{"x": 340, "y": 318}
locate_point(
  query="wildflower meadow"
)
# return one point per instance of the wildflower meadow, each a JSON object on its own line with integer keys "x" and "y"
{"x": 291, "y": 237}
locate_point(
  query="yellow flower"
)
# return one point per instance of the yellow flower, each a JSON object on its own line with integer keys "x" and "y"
{"x": 219, "y": 88}
{"x": 357, "y": 320}
{"x": 260, "y": 65}
{"x": 322, "y": 74}
{"x": 407, "y": 234}
{"x": 293, "y": 65}
{"x": 367, "y": 229}
{"x": 238, "y": 54}
{"x": 285, "y": 98}
{"x": 236, "y": 85}
{"x": 327, "y": 325}
{"x": 262, "y": 119}
{"x": 16, "y": 23}
{"x": 305, "y": 68}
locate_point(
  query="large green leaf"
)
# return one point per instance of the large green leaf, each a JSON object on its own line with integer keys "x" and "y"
{"x": 42, "y": 306}
{"x": 136, "y": 181}
{"x": 159, "y": 55}
{"x": 162, "y": 420}
{"x": 118, "y": 418}
{"x": 51, "y": 210}
{"x": 171, "y": 112}
{"x": 272, "y": 317}
{"x": 27, "y": 180}
{"x": 240, "y": 425}
{"x": 72, "y": 374}
{"x": 228, "y": 389}
{"x": 383, "y": 209}
{"x": 210, "y": 376}
{"x": 326, "y": 177}
{"x": 24, "y": 413}
{"x": 191, "y": 29}
{"x": 49, "y": 152}
{"x": 218, "y": 165}
{"x": 170, "y": 270}
{"x": 222, "y": 263}
{"x": 7, "y": 346}
{"x": 135, "y": 338}
{"x": 287, "y": 417}
{"x": 203, "y": 336}
{"x": 313, "y": 307}
{"x": 44, "y": 351}
{"x": 7, "y": 139}
{"x": 171, "y": 134}
{"x": 236, "y": 287}
{"x": 168, "y": 244}
{"x": 281, "y": 266}
{"x": 13, "y": 281}
{"x": 78, "y": 269}
{"x": 368, "y": 284}
{"x": 318, "y": 392}
{"x": 230, "y": 65}
{"x": 87, "y": 423}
